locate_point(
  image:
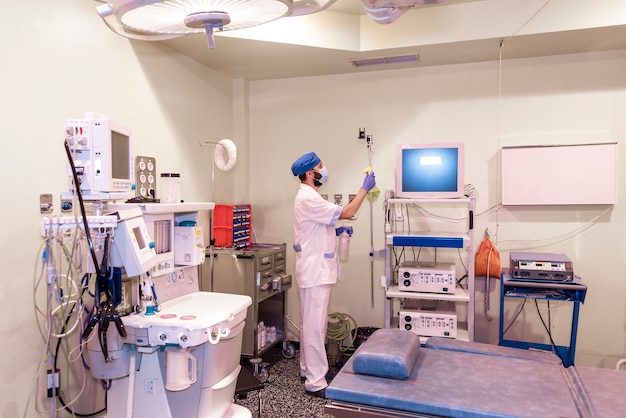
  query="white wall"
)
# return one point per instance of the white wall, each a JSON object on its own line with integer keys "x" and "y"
{"x": 59, "y": 60}
{"x": 552, "y": 100}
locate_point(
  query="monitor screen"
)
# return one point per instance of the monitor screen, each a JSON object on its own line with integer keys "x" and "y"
{"x": 430, "y": 171}
{"x": 120, "y": 156}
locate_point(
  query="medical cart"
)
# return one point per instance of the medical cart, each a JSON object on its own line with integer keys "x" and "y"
{"x": 259, "y": 272}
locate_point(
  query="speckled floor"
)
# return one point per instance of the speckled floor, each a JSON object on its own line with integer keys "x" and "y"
{"x": 284, "y": 395}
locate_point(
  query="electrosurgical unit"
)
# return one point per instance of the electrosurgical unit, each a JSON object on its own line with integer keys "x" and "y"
{"x": 543, "y": 267}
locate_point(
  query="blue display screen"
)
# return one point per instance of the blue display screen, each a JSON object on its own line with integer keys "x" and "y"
{"x": 430, "y": 170}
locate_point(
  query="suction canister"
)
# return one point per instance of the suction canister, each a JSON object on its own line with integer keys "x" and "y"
{"x": 181, "y": 369}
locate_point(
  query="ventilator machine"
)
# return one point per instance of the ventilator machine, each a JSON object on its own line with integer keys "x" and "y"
{"x": 123, "y": 278}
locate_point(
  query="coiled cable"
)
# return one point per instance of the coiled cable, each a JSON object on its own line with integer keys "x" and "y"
{"x": 346, "y": 327}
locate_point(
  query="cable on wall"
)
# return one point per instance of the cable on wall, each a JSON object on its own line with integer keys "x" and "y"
{"x": 499, "y": 107}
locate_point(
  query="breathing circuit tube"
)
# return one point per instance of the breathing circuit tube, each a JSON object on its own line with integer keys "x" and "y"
{"x": 342, "y": 330}
{"x": 225, "y": 146}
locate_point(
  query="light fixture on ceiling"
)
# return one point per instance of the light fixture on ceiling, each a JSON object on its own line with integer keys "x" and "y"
{"x": 158, "y": 20}
{"x": 388, "y": 11}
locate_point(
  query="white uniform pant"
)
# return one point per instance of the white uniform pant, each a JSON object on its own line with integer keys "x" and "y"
{"x": 313, "y": 323}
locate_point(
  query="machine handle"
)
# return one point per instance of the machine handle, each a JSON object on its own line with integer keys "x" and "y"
{"x": 222, "y": 332}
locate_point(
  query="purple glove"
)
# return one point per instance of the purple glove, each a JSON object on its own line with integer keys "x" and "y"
{"x": 369, "y": 182}
{"x": 345, "y": 228}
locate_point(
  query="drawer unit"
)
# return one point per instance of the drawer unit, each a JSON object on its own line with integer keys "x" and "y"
{"x": 259, "y": 272}
{"x": 232, "y": 226}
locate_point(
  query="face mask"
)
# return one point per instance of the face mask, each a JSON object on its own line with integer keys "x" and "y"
{"x": 323, "y": 175}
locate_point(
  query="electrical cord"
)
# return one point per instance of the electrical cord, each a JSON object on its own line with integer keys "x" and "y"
{"x": 519, "y": 311}
{"x": 65, "y": 310}
{"x": 81, "y": 203}
{"x": 293, "y": 324}
{"x": 66, "y": 405}
{"x": 62, "y": 299}
{"x": 103, "y": 314}
{"x": 554, "y": 347}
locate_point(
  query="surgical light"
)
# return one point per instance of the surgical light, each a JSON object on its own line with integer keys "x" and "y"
{"x": 388, "y": 11}
{"x": 157, "y": 20}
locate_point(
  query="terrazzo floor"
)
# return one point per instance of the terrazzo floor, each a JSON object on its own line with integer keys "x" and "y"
{"x": 283, "y": 395}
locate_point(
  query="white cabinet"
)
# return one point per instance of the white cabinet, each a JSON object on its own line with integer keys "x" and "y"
{"x": 429, "y": 266}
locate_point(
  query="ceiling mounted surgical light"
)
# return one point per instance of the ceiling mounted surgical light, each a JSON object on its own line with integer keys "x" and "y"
{"x": 157, "y": 20}
{"x": 388, "y": 11}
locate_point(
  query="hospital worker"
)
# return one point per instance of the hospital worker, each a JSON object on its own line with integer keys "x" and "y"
{"x": 317, "y": 265}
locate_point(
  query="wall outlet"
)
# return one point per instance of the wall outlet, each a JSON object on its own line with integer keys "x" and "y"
{"x": 338, "y": 199}
{"x": 45, "y": 203}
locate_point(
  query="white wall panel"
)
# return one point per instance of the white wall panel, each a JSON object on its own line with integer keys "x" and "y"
{"x": 559, "y": 175}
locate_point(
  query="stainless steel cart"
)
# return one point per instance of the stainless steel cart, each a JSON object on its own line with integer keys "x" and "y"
{"x": 258, "y": 272}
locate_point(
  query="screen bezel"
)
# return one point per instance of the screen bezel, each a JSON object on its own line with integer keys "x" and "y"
{"x": 431, "y": 194}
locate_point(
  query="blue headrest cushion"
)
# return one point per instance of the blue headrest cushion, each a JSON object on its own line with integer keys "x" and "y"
{"x": 387, "y": 353}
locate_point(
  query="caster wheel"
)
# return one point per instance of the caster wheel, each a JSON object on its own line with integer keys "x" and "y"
{"x": 260, "y": 371}
{"x": 289, "y": 350}
{"x": 262, "y": 374}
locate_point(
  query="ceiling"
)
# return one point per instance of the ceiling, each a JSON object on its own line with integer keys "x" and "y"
{"x": 455, "y": 31}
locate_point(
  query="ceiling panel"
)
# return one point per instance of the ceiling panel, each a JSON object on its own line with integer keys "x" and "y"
{"x": 253, "y": 59}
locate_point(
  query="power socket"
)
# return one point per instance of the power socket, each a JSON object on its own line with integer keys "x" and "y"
{"x": 338, "y": 199}
{"x": 45, "y": 203}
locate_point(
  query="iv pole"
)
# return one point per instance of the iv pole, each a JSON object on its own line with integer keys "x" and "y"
{"x": 223, "y": 145}
{"x": 211, "y": 217}
{"x": 368, "y": 139}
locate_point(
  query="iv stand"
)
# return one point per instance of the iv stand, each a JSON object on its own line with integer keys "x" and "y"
{"x": 369, "y": 142}
{"x": 211, "y": 239}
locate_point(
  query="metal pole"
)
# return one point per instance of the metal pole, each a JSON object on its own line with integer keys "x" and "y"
{"x": 211, "y": 217}
{"x": 369, "y": 146}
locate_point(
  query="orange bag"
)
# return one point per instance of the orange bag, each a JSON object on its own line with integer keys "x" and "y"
{"x": 487, "y": 261}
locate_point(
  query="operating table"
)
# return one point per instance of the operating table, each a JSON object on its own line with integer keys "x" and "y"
{"x": 392, "y": 375}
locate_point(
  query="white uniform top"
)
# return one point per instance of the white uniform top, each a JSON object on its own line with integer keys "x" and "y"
{"x": 314, "y": 238}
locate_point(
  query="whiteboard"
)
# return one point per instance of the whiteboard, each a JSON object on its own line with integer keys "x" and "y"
{"x": 559, "y": 174}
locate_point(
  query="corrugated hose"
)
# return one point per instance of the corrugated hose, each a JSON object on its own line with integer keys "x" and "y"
{"x": 344, "y": 325}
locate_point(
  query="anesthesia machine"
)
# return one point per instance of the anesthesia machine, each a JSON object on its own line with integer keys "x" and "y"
{"x": 159, "y": 345}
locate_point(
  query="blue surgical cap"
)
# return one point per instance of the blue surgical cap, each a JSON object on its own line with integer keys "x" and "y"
{"x": 305, "y": 163}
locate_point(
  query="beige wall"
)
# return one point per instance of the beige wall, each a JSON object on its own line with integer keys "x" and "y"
{"x": 553, "y": 100}
{"x": 59, "y": 60}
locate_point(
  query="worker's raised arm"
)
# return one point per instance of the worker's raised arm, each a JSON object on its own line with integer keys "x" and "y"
{"x": 353, "y": 206}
